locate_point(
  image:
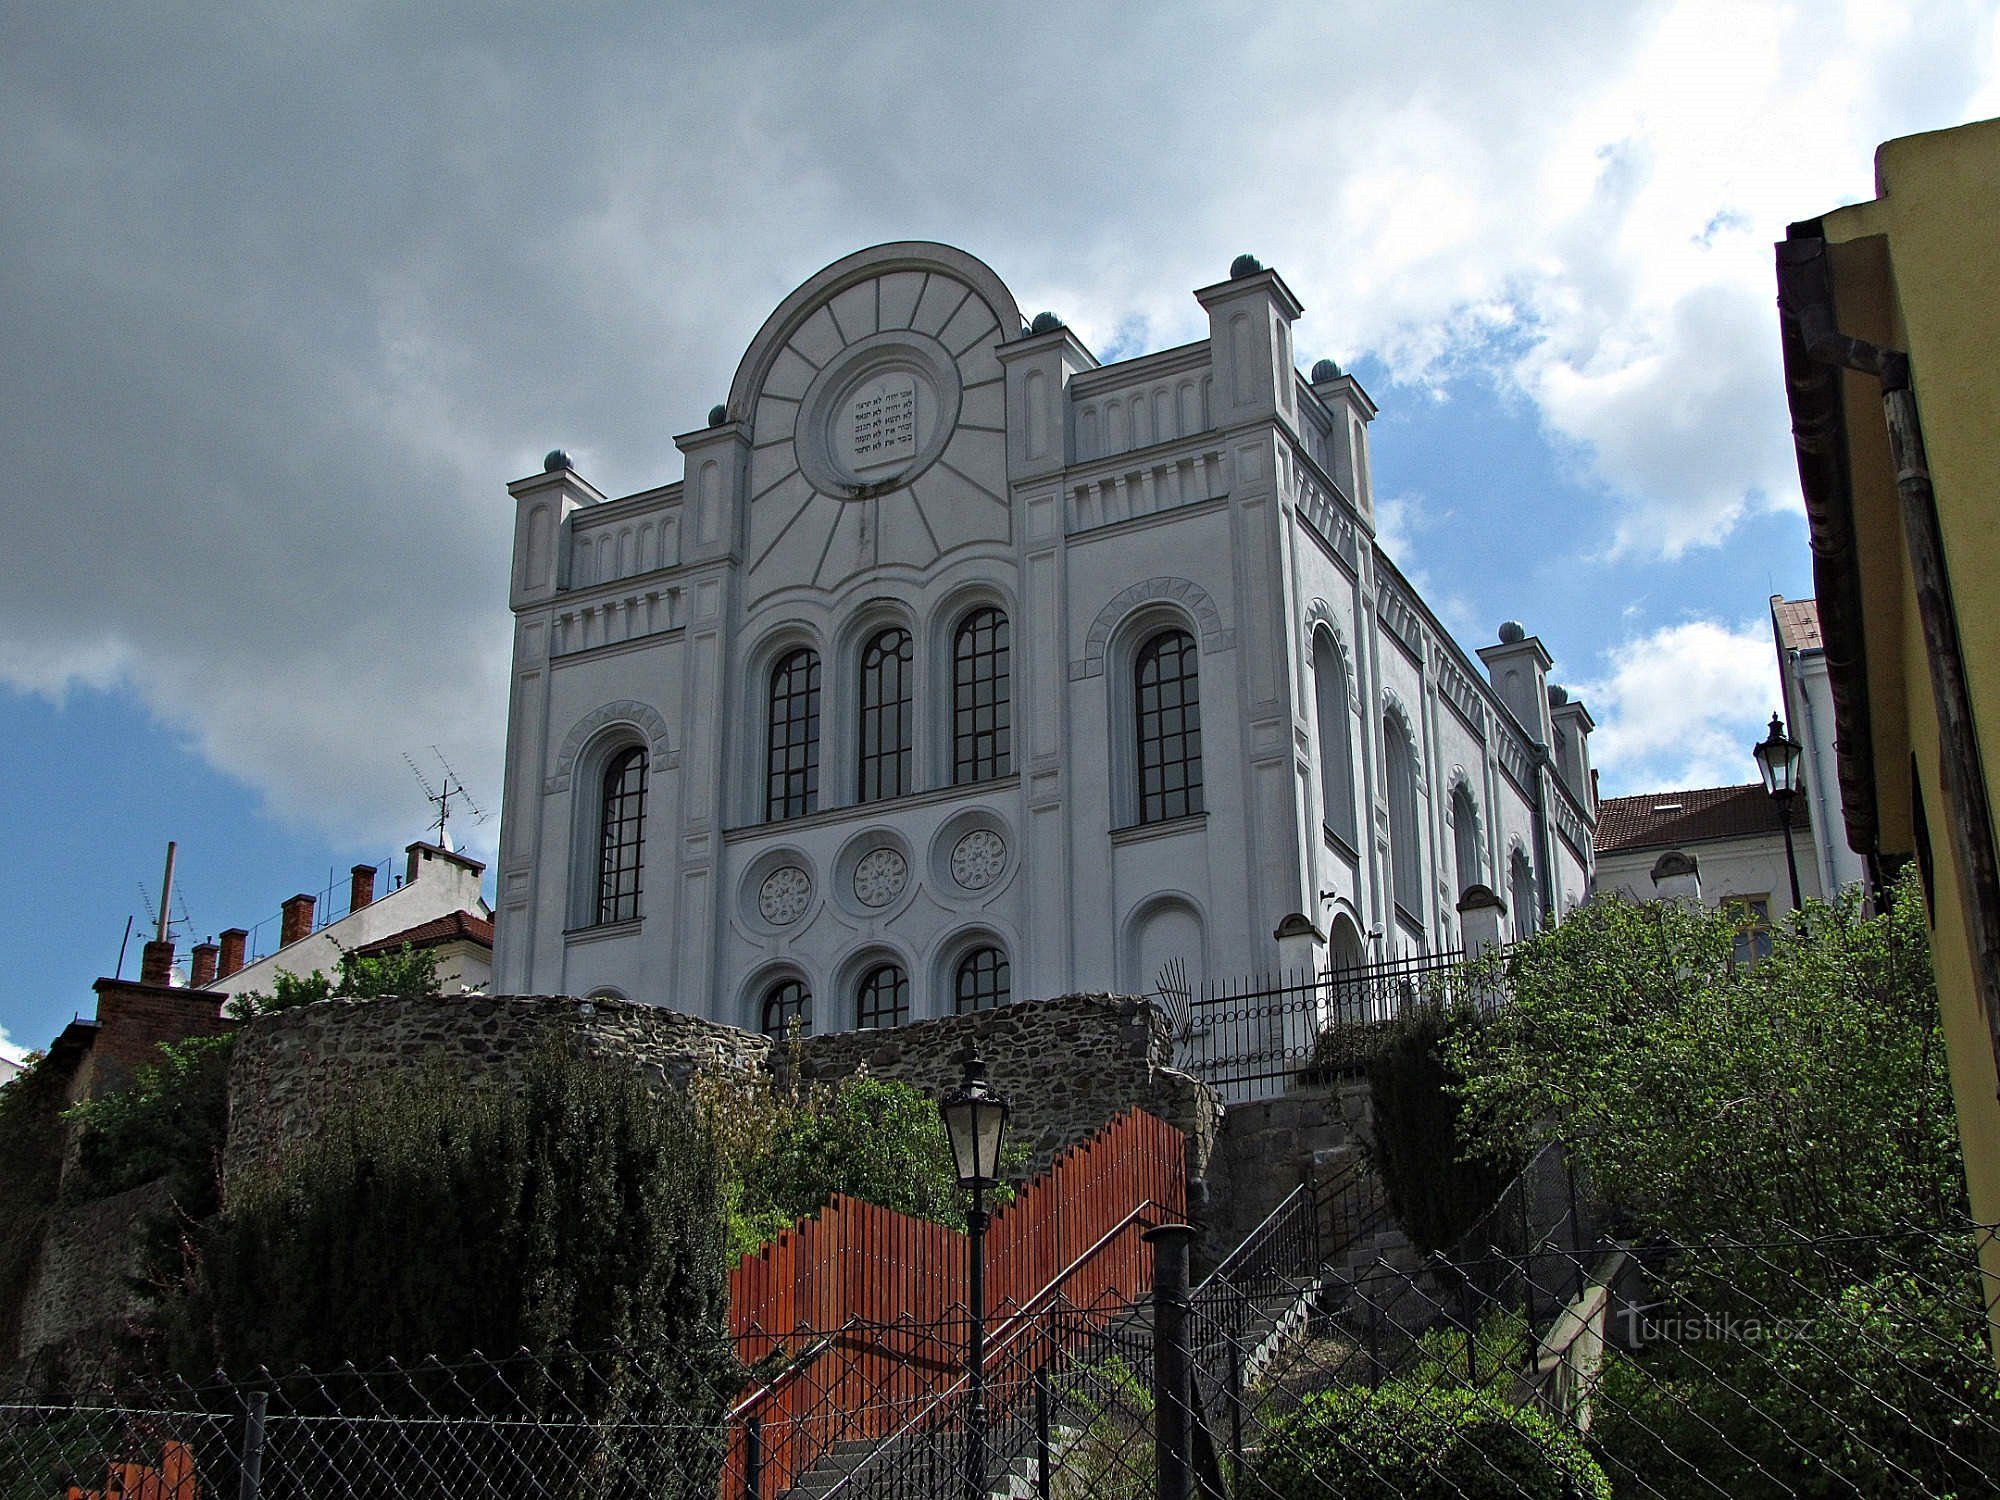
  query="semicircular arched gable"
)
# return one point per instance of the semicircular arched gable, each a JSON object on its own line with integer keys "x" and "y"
{"x": 1190, "y": 596}
{"x": 641, "y": 716}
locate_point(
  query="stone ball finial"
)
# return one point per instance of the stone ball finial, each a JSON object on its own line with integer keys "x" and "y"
{"x": 1045, "y": 322}
{"x": 717, "y": 415}
{"x": 1558, "y": 694}
{"x": 1325, "y": 370}
{"x": 556, "y": 461}
{"x": 1244, "y": 265}
{"x": 1512, "y": 633}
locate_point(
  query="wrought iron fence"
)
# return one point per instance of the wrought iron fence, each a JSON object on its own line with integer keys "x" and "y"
{"x": 1253, "y": 1037}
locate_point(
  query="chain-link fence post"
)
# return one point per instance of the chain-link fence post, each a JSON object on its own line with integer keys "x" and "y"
{"x": 1172, "y": 1451}
{"x": 1042, "y": 1454}
{"x": 753, "y": 1457}
{"x": 250, "y": 1484}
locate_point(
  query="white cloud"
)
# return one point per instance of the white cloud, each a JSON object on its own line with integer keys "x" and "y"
{"x": 10, "y": 1050}
{"x": 1680, "y": 707}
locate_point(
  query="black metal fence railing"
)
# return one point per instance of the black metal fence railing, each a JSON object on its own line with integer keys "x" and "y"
{"x": 1253, "y": 1037}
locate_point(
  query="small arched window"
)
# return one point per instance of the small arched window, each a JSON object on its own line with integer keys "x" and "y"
{"x": 1406, "y": 865}
{"x": 1465, "y": 838}
{"x": 981, "y": 710}
{"x": 981, "y": 981}
{"x": 1521, "y": 890}
{"x": 1336, "y": 740}
{"x": 791, "y": 753}
{"x": 883, "y": 998}
{"x": 787, "y": 1004}
{"x": 621, "y": 835}
{"x": 1167, "y": 700}
{"x": 885, "y": 716}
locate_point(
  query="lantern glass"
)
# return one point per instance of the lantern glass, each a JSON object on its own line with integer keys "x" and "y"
{"x": 975, "y": 1119}
{"x": 1778, "y": 759}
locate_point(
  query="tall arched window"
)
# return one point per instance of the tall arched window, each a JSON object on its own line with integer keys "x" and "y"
{"x": 981, "y": 706}
{"x": 1465, "y": 838}
{"x": 981, "y": 981}
{"x": 885, "y": 716}
{"x": 621, "y": 834}
{"x": 791, "y": 755}
{"x": 1167, "y": 697}
{"x": 1406, "y": 865}
{"x": 883, "y": 998}
{"x": 1336, "y": 740}
{"x": 1521, "y": 892}
{"x": 786, "y": 1004}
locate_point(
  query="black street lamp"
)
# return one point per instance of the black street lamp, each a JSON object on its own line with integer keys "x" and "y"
{"x": 975, "y": 1118}
{"x": 1779, "y": 759}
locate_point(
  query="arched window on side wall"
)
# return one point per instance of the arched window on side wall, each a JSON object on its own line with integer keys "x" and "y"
{"x": 1167, "y": 700}
{"x": 621, "y": 836}
{"x": 981, "y": 981}
{"x": 1336, "y": 738}
{"x": 1465, "y": 839}
{"x": 1522, "y": 895}
{"x": 884, "y": 765}
{"x": 1406, "y": 865}
{"x": 791, "y": 752}
{"x": 883, "y": 997}
{"x": 787, "y": 1003}
{"x": 981, "y": 707}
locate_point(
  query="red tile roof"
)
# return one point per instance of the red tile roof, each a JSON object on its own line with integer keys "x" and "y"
{"x": 1674, "y": 819}
{"x": 1798, "y": 624}
{"x": 445, "y": 929}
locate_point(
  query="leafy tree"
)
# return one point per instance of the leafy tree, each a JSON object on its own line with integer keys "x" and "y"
{"x": 407, "y": 971}
{"x": 169, "y": 1122}
{"x": 1707, "y": 1097}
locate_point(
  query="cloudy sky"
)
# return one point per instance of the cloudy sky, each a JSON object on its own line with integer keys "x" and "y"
{"x": 291, "y": 291}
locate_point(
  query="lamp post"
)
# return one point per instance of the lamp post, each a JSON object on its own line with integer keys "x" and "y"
{"x": 975, "y": 1119}
{"x": 1778, "y": 761}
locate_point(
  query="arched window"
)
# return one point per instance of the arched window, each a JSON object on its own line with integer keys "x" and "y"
{"x": 981, "y": 981}
{"x": 885, "y": 716}
{"x": 883, "y": 998}
{"x": 981, "y": 707}
{"x": 1521, "y": 891}
{"x": 791, "y": 757}
{"x": 1167, "y": 699}
{"x": 1406, "y": 865}
{"x": 1465, "y": 838}
{"x": 786, "y": 1003}
{"x": 621, "y": 833}
{"x": 1336, "y": 740}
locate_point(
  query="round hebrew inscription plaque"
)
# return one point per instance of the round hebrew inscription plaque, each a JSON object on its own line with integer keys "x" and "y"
{"x": 978, "y": 858}
{"x": 784, "y": 895}
{"x": 879, "y": 877}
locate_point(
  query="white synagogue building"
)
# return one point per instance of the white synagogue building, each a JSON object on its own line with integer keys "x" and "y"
{"x": 962, "y": 669}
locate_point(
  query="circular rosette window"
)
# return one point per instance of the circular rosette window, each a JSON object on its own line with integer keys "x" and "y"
{"x": 778, "y": 891}
{"x": 972, "y": 855}
{"x": 873, "y": 875}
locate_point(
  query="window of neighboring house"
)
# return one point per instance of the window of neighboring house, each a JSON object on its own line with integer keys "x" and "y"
{"x": 1521, "y": 895}
{"x": 1336, "y": 738}
{"x": 1167, "y": 698}
{"x": 1753, "y": 927}
{"x": 885, "y": 716}
{"x": 982, "y": 981}
{"x": 981, "y": 710}
{"x": 791, "y": 758}
{"x": 621, "y": 831}
{"x": 1399, "y": 768}
{"x": 786, "y": 1003}
{"x": 1465, "y": 837}
{"x": 883, "y": 998}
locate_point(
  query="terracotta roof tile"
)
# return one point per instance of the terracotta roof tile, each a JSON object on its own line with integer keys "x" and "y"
{"x": 1798, "y": 624}
{"x": 446, "y": 929}
{"x": 1673, "y": 819}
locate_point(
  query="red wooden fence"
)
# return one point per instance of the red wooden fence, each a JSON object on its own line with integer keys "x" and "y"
{"x": 883, "y": 1295}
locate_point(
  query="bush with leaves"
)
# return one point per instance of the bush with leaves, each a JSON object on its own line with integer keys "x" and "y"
{"x": 168, "y": 1123}
{"x": 1415, "y": 1441}
{"x": 407, "y": 972}
{"x": 31, "y": 1144}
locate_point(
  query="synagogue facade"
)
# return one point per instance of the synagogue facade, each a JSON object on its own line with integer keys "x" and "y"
{"x": 960, "y": 668}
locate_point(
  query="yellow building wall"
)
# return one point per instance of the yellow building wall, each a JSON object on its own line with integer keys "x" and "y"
{"x": 1918, "y": 269}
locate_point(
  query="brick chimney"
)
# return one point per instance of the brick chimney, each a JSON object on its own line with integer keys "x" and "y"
{"x": 233, "y": 941}
{"x": 204, "y": 955}
{"x": 360, "y": 886}
{"x": 296, "y": 920}
{"x": 156, "y": 963}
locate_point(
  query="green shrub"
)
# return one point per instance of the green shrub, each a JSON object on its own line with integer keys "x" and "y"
{"x": 31, "y": 1144}
{"x": 1414, "y": 1442}
{"x": 168, "y": 1123}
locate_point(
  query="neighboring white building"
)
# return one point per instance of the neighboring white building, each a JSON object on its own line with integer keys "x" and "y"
{"x": 1808, "y": 712}
{"x": 437, "y": 884}
{"x": 960, "y": 668}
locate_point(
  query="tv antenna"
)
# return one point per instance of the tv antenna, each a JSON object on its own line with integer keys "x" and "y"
{"x": 440, "y": 796}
